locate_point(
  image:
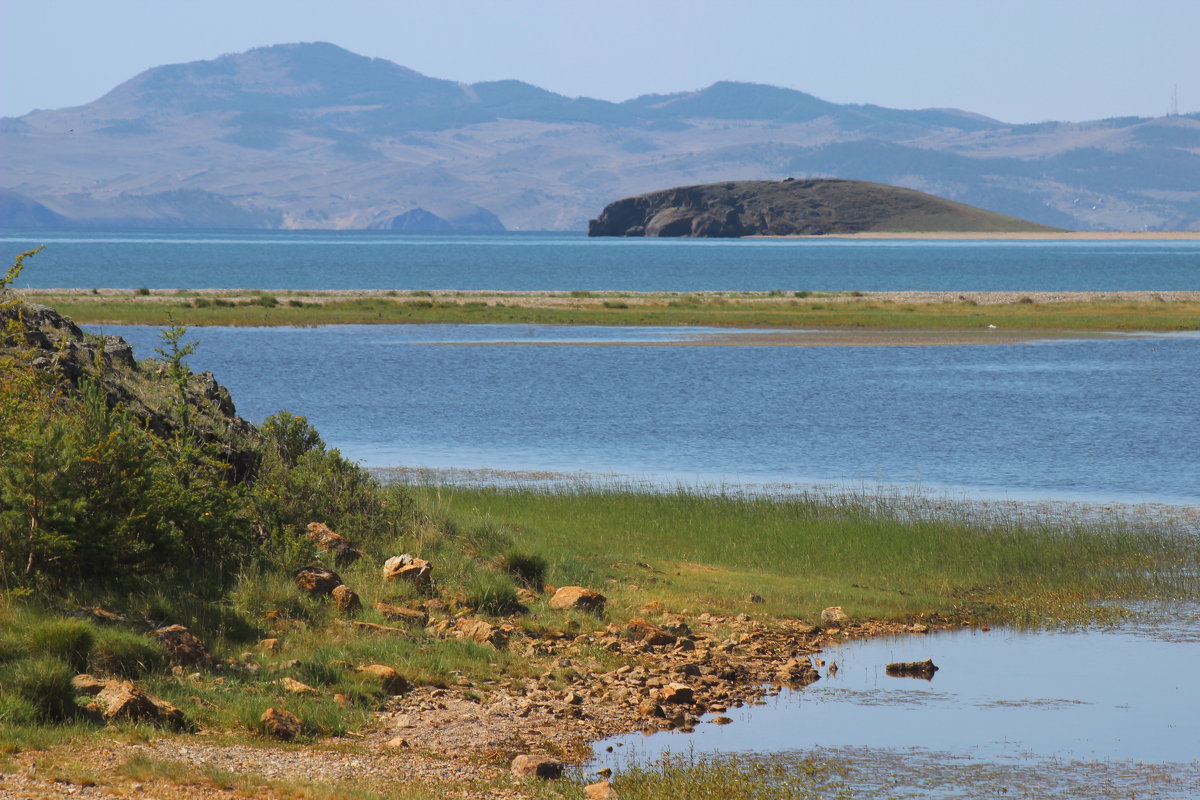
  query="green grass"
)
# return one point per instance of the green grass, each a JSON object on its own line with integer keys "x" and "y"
{"x": 739, "y": 309}
{"x": 891, "y": 558}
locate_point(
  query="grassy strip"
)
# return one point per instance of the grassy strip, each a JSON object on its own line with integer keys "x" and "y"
{"x": 876, "y": 557}
{"x": 740, "y": 310}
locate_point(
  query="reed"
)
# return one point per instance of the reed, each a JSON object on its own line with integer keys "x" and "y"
{"x": 884, "y": 557}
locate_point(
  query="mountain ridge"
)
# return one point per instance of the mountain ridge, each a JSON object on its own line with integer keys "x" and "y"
{"x": 310, "y": 135}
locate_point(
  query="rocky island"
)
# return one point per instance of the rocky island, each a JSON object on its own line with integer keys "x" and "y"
{"x": 808, "y": 207}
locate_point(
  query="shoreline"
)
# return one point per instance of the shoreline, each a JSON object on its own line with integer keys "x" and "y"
{"x": 1014, "y": 236}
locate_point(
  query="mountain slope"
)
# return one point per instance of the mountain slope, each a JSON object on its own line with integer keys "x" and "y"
{"x": 314, "y": 136}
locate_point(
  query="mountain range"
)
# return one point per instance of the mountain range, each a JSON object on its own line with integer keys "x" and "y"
{"x": 314, "y": 136}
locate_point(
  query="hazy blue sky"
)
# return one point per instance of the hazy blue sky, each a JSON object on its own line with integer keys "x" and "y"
{"x": 1016, "y": 60}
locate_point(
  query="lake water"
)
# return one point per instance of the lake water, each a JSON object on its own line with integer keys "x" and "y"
{"x": 1096, "y": 700}
{"x": 1099, "y": 420}
{"x": 369, "y": 260}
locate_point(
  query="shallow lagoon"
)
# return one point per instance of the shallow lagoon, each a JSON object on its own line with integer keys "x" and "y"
{"x": 1096, "y": 420}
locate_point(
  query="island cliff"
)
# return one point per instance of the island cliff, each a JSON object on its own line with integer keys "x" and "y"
{"x": 809, "y": 207}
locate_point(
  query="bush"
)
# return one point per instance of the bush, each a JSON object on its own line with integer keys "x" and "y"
{"x": 125, "y": 654}
{"x": 492, "y": 594}
{"x": 68, "y": 641}
{"x": 45, "y": 684}
{"x": 527, "y": 569}
{"x": 142, "y": 291}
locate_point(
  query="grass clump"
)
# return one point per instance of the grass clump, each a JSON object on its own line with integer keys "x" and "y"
{"x": 125, "y": 654}
{"x": 527, "y": 569}
{"x": 44, "y": 685}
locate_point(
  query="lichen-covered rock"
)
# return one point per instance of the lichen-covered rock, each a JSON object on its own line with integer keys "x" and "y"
{"x": 325, "y": 538}
{"x": 124, "y": 700}
{"x": 834, "y": 617}
{"x": 578, "y": 597}
{"x": 346, "y": 600}
{"x": 391, "y": 681}
{"x": 280, "y": 724}
{"x": 183, "y": 648}
{"x": 482, "y": 632}
{"x": 297, "y": 687}
{"x": 317, "y": 581}
{"x": 407, "y": 567}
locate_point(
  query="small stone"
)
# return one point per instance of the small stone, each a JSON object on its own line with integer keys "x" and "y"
{"x": 269, "y": 645}
{"x": 411, "y": 616}
{"x": 721, "y": 720}
{"x": 391, "y": 681}
{"x": 600, "y": 791}
{"x": 342, "y": 700}
{"x": 834, "y": 617}
{"x": 374, "y": 627}
{"x": 280, "y": 724}
{"x": 297, "y": 687}
{"x": 650, "y": 708}
{"x": 396, "y": 743}
{"x": 577, "y": 597}
{"x": 755, "y": 598}
{"x": 918, "y": 627}
{"x": 675, "y": 693}
{"x": 541, "y": 767}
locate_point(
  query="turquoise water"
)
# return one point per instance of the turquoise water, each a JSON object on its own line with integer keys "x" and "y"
{"x": 367, "y": 260}
{"x": 1098, "y": 420}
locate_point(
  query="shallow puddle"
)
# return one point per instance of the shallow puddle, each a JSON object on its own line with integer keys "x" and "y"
{"x": 1126, "y": 694}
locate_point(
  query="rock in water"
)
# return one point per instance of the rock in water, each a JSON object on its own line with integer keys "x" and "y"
{"x": 811, "y": 207}
{"x": 913, "y": 669}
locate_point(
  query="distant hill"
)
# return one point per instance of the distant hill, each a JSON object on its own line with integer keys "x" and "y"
{"x": 314, "y": 136}
{"x": 790, "y": 207}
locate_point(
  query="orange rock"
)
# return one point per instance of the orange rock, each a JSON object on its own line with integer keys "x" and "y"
{"x": 346, "y": 600}
{"x": 542, "y": 767}
{"x": 280, "y": 724}
{"x": 578, "y": 597}
{"x": 392, "y": 681}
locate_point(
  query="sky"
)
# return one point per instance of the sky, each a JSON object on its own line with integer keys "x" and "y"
{"x": 1014, "y": 60}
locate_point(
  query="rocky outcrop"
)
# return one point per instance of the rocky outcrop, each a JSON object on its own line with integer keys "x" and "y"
{"x": 57, "y": 346}
{"x": 810, "y": 207}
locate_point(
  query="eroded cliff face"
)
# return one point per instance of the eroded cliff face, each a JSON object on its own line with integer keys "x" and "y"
{"x": 53, "y": 344}
{"x": 810, "y": 207}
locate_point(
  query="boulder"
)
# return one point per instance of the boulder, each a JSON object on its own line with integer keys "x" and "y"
{"x": 648, "y": 634}
{"x": 317, "y": 581}
{"x": 183, "y": 648}
{"x": 410, "y": 616}
{"x": 280, "y": 724}
{"x": 346, "y": 600}
{"x": 408, "y": 567}
{"x": 541, "y": 767}
{"x": 577, "y": 597}
{"x": 124, "y": 700}
{"x": 392, "y": 681}
{"x": 834, "y": 617}
{"x": 325, "y": 538}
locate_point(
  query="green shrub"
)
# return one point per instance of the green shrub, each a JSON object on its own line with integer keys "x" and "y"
{"x": 45, "y": 683}
{"x": 491, "y": 593}
{"x": 527, "y": 569}
{"x": 126, "y": 654}
{"x": 615, "y": 304}
{"x": 142, "y": 291}
{"x": 66, "y": 640}
{"x": 16, "y": 710}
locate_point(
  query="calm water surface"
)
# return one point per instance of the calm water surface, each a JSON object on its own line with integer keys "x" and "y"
{"x": 1124, "y": 694}
{"x": 1101, "y": 420}
{"x": 367, "y": 260}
